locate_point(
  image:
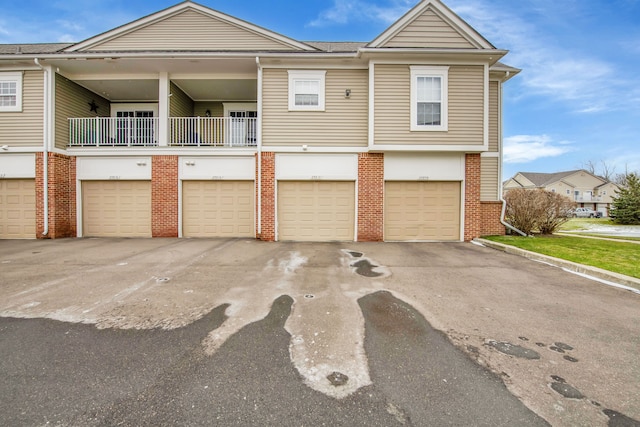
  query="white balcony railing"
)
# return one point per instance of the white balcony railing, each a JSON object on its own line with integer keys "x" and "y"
{"x": 143, "y": 131}
{"x": 113, "y": 132}
{"x": 212, "y": 131}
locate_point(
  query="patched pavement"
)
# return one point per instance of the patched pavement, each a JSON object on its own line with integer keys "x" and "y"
{"x": 239, "y": 332}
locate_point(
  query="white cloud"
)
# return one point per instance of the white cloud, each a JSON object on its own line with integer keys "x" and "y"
{"x": 559, "y": 73}
{"x": 527, "y": 148}
{"x": 346, "y": 11}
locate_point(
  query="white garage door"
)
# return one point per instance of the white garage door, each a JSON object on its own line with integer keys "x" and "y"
{"x": 218, "y": 209}
{"x": 316, "y": 210}
{"x": 422, "y": 210}
{"x": 17, "y": 209}
{"x": 116, "y": 208}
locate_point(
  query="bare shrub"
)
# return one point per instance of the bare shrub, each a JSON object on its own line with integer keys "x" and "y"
{"x": 556, "y": 211}
{"x": 537, "y": 210}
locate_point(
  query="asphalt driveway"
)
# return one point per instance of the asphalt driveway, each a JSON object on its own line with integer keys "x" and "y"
{"x": 239, "y": 332}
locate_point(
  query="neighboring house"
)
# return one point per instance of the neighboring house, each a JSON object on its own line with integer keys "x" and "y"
{"x": 192, "y": 123}
{"x": 584, "y": 188}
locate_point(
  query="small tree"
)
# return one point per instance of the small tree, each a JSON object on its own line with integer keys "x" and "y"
{"x": 537, "y": 210}
{"x": 626, "y": 203}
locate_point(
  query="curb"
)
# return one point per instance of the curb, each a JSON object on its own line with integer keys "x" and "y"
{"x": 627, "y": 282}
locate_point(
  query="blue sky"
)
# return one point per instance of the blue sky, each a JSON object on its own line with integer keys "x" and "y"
{"x": 576, "y": 101}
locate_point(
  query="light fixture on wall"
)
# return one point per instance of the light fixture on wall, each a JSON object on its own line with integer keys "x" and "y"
{"x": 5, "y": 147}
{"x": 207, "y": 113}
{"x": 347, "y": 93}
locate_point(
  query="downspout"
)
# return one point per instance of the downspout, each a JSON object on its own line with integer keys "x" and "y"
{"x": 259, "y": 151}
{"x": 45, "y": 151}
{"x": 502, "y": 220}
{"x": 504, "y": 202}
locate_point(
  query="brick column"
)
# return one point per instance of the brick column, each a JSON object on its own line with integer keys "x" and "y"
{"x": 164, "y": 196}
{"x": 370, "y": 197}
{"x": 472, "y": 206}
{"x": 268, "y": 195}
{"x": 61, "y": 198}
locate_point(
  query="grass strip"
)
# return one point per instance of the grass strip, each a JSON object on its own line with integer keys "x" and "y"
{"x": 619, "y": 257}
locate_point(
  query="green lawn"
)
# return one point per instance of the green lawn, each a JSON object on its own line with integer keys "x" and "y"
{"x": 619, "y": 257}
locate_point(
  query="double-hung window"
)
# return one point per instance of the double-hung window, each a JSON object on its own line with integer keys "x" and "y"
{"x": 306, "y": 90}
{"x": 429, "y": 86}
{"x": 10, "y": 92}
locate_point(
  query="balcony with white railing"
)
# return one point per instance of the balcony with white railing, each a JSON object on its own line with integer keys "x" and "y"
{"x": 212, "y": 131}
{"x": 144, "y": 132}
{"x": 113, "y": 132}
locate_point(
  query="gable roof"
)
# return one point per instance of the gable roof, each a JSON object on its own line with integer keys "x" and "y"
{"x": 540, "y": 179}
{"x": 189, "y": 26}
{"x": 441, "y": 26}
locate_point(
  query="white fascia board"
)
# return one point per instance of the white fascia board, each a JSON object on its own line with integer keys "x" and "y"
{"x": 160, "y": 151}
{"x": 312, "y": 149}
{"x": 376, "y": 148}
{"x": 17, "y": 165}
{"x": 315, "y": 66}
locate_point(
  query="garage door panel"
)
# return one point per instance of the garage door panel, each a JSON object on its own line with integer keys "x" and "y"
{"x": 422, "y": 210}
{"x": 316, "y": 210}
{"x": 116, "y": 208}
{"x": 218, "y": 209}
{"x": 17, "y": 209}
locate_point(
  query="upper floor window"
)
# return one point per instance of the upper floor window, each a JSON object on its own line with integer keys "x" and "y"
{"x": 10, "y": 91}
{"x": 429, "y": 87}
{"x": 306, "y": 90}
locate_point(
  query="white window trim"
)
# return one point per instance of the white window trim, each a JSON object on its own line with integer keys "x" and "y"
{"x": 318, "y": 75}
{"x": 17, "y": 78}
{"x": 430, "y": 71}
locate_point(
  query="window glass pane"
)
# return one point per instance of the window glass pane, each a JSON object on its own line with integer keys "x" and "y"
{"x": 8, "y": 94}
{"x": 303, "y": 99}
{"x": 428, "y": 114}
{"x": 429, "y": 89}
{"x": 307, "y": 92}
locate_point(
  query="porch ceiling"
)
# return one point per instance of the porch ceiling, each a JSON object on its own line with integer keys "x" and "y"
{"x": 136, "y": 79}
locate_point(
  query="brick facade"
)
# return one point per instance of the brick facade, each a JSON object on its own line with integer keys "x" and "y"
{"x": 61, "y": 198}
{"x": 481, "y": 218}
{"x": 490, "y": 219}
{"x": 472, "y": 206}
{"x": 370, "y": 197}
{"x": 268, "y": 198}
{"x": 164, "y": 196}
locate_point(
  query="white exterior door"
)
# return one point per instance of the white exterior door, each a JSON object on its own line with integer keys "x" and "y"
{"x": 242, "y": 129}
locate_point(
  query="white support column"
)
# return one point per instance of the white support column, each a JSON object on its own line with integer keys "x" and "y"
{"x": 163, "y": 108}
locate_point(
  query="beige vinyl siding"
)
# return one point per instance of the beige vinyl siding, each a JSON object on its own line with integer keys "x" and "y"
{"x": 180, "y": 103}
{"x": 428, "y": 30}
{"x": 343, "y": 123}
{"x": 215, "y": 108}
{"x": 72, "y": 101}
{"x": 25, "y": 128}
{"x": 494, "y": 116}
{"x": 489, "y": 179}
{"x": 191, "y": 30}
{"x": 393, "y": 107}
